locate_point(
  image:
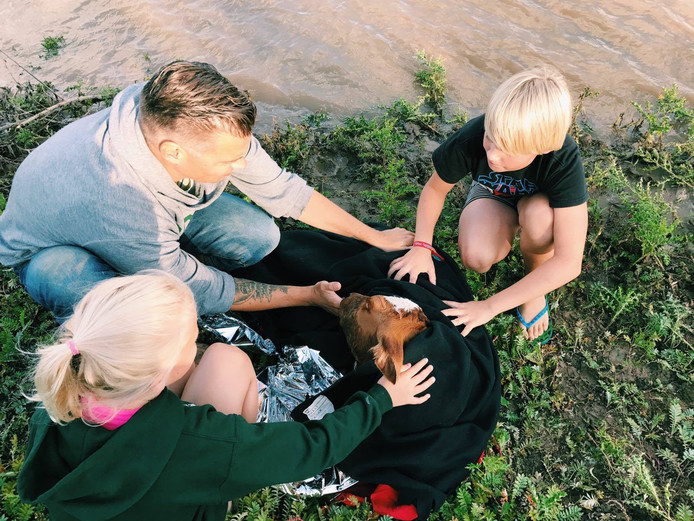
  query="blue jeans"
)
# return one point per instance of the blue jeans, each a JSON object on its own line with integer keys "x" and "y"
{"x": 228, "y": 234}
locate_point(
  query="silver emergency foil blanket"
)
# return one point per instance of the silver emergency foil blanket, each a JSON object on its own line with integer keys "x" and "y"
{"x": 234, "y": 331}
{"x": 300, "y": 372}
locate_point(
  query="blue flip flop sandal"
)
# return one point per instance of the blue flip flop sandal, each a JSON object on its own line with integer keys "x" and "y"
{"x": 546, "y": 336}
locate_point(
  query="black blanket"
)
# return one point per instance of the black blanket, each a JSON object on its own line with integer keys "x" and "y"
{"x": 422, "y": 451}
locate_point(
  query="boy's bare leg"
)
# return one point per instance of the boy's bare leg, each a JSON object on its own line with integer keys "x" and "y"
{"x": 536, "y": 219}
{"x": 225, "y": 379}
{"x": 486, "y": 231}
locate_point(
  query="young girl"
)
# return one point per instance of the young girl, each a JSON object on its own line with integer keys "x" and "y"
{"x": 527, "y": 175}
{"x": 114, "y": 443}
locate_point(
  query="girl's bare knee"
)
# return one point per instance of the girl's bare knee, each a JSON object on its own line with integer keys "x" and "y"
{"x": 221, "y": 355}
{"x": 222, "y": 379}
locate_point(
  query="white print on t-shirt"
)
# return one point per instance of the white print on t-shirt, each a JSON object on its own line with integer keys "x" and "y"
{"x": 505, "y": 185}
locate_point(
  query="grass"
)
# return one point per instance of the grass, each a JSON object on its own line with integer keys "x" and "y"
{"x": 598, "y": 425}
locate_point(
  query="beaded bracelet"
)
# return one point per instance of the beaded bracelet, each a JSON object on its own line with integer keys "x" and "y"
{"x": 426, "y": 245}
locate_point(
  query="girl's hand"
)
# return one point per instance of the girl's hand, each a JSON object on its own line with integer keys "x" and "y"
{"x": 412, "y": 381}
{"x": 472, "y": 314}
{"x": 417, "y": 260}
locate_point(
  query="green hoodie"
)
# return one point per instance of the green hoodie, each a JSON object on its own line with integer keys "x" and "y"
{"x": 177, "y": 461}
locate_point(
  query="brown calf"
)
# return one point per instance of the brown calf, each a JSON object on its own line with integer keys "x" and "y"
{"x": 378, "y": 327}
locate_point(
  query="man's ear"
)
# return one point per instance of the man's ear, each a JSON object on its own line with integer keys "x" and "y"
{"x": 388, "y": 355}
{"x": 170, "y": 150}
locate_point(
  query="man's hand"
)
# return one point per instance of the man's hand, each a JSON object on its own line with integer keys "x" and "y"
{"x": 394, "y": 239}
{"x": 322, "y": 213}
{"x": 416, "y": 261}
{"x": 323, "y": 295}
{"x": 472, "y": 314}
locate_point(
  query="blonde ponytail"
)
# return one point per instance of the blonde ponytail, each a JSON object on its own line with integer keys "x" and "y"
{"x": 126, "y": 334}
{"x": 56, "y": 376}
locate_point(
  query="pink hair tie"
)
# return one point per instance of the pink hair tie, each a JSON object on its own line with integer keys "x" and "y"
{"x": 72, "y": 347}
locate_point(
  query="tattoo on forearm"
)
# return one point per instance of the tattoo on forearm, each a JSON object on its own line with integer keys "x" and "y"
{"x": 250, "y": 290}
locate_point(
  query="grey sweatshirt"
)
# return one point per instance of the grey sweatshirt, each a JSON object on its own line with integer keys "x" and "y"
{"x": 95, "y": 184}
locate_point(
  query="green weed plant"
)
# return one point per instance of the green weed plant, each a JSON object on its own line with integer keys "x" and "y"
{"x": 666, "y": 136}
{"x": 649, "y": 223}
{"x": 52, "y": 45}
{"x": 432, "y": 78}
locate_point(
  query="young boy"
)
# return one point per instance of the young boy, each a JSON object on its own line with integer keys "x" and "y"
{"x": 527, "y": 175}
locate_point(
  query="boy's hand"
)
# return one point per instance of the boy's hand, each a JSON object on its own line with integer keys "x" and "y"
{"x": 472, "y": 314}
{"x": 414, "y": 262}
{"x": 394, "y": 239}
{"x": 323, "y": 295}
{"x": 411, "y": 382}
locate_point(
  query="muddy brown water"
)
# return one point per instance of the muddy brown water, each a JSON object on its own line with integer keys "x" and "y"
{"x": 344, "y": 56}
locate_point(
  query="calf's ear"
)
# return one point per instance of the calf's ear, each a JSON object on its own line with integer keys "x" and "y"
{"x": 388, "y": 355}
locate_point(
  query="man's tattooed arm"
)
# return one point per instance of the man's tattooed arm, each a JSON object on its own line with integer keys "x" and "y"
{"x": 257, "y": 296}
{"x": 249, "y": 290}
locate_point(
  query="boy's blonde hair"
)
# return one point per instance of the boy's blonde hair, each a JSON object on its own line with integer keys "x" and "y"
{"x": 129, "y": 332}
{"x": 530, "y": 112}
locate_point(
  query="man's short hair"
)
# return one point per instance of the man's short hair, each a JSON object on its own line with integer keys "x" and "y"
{"x": 530, "y": 112}
{"x": 193, "y": 97}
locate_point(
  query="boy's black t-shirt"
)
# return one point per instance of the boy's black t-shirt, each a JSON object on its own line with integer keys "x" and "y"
{"x": 558, "y": 174}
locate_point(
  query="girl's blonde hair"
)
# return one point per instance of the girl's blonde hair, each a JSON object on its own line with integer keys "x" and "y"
{"x": 530, "y": 112}
{"x": 129, "y": 332}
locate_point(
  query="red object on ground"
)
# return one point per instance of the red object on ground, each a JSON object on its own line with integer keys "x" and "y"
{"x": 481, "y": 458}
{"x": 385, "y": 502}
{"x": 351, "y": 500}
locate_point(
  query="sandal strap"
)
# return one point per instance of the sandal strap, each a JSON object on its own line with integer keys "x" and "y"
{"x": 546, "y": 336}
{"x": 537, "y": 317}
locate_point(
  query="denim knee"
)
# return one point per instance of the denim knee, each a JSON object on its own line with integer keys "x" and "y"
{"x": 230, "y": 233}
{"x": 267, "y": 240}
{"x": 58, "y": 277}
{"x": 241, "y": 250}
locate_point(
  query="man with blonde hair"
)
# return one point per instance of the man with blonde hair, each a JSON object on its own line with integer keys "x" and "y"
{"x": 527, "y": 175}
{"x": 141, "y": 185}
